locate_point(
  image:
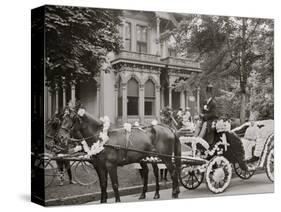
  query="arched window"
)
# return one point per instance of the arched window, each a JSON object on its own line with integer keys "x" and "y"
{"x": 149, "y": 98}
{"x": 133, "y": 97}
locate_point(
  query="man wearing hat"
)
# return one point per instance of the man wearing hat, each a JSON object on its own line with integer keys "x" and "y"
{"x": 208, "y": 115}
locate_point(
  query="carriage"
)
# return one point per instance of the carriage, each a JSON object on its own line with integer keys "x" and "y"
{"x": 201, "y": 161}
{"x": 219, "y": 161}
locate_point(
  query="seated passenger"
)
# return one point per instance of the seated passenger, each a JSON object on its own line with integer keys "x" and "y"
{"x": 250, "y": 139}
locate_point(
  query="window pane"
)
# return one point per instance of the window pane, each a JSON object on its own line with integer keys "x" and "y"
{"x": 128, "y": 30}
{"x": 141, "y": 47}
{"x": 172, "y": 52}
{"x": 149, "y": 90}
{"x": 127, "y": 45}
{"x": 133, "y": 106}
{"x": 149, "y": 106}
{"x": 149, "y": 103}
{"x": 133, "y": 88}
{"x": 142, "y": 33}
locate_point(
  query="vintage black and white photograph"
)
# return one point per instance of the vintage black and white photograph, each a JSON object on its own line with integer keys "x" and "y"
{"x": 132, "y": 105}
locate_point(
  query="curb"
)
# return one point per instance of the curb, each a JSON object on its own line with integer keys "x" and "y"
{"x": 89, "y": 197}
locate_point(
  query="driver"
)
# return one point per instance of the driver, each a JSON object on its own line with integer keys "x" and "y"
{"x": 208, "y": 115}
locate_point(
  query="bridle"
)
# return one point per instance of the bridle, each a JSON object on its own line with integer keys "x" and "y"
{"x": 70, "y": 130}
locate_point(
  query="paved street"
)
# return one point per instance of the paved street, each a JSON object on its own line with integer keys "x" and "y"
{"x": 259, "y": 183}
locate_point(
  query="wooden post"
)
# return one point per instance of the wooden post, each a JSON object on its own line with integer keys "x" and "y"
{"x": 57, "y": 99}
{"x": 124, "y": 102}
{"x": 98, "y": 100}
{"x": 158, "y": 36}
{"x": 170, "y": 96}
{"x": 73, "y": 98}
{"x": 198, "y": 101}
{"x": 141, "y": 103}
{"x": 157, "y": 102}
{"x": 182, "y": 100}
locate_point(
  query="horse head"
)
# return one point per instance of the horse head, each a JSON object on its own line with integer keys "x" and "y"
{"x": 77, "y": 123}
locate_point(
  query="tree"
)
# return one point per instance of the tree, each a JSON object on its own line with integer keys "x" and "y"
{"x": 78, "y": 41}
{"x": 228, "y": 47}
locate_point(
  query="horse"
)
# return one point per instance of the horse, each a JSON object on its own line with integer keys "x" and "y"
{"x": 154, "y": 139}
{"x": 55, "y": 146}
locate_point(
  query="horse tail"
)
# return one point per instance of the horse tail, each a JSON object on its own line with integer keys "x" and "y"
{"x": 177, "y": 153}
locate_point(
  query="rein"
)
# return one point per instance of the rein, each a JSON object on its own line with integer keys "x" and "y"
{"x": 81, "y": 139}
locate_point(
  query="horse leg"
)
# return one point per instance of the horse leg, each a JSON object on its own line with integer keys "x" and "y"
{"x": 102, "y": 174}
{"x": 156, "y": 174}
{"x": 174, "y": 175}
{"x": 112, "y": 170}
{"x": 145, "y": 179}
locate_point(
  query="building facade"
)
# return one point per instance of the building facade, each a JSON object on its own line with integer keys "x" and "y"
{"x": 143, "y": 78}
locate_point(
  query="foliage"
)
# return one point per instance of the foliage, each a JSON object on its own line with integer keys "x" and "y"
{"x": 229, "y": 48}
{"x": 78, "y": 41}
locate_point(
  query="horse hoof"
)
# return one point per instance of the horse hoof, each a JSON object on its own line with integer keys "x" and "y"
{"x": 156, "y": 196}
{"x": 175, "y": 196}
{"x": 103, "y": 201}
{"x": 142, "y": 196}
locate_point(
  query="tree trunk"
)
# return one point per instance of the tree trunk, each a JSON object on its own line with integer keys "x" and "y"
{"x": 243, "y": 75}
{"x": 243, "y": 108}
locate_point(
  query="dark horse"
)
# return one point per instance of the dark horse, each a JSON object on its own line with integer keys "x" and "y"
{"x": 54, "y": 145}
{"x": 157, "y": 139}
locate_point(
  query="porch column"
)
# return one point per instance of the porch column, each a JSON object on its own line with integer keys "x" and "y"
{"x": 141, "y": 103}
{"x": 198, "y": 101}
{"x": 57, "y": 99}
{"x": 162, "y": 98}
{"x": 157, "y": 102}
{"x": 170, "y": 96}
{"x": 186, "y": 99}
{"x": 124, "y": 102}
{"x": 49, "y": 97}
{"x": 158, "y": 36}
{"x": 73, "y": 99}
{"x": 116, "y": 101}
{"x": 182, "y": 100}
{"x": 98, "y": 100}
{"x": 64, "y": 95}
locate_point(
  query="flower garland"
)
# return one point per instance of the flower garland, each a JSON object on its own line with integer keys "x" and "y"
{"x": 217, "y": 149}
{"x": 193, "y": 141}
{"x": 97, "y": 147}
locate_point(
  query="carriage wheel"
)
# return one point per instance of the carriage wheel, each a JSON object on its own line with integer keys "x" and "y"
{"x": 45, "y": 170}
{"x": 218, "y": 174}
{"x": 191, "y": 177}
{"x": 85, "y": 173}
{"x": 270, "y": 165}
{"x": 242, "y": 173}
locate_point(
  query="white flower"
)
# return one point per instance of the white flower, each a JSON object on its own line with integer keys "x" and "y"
{"x": 136, "y": 124}
{"x": 81, "y": 112}
{"x": 103, "y": 136}
{"x": 77, "y": 148}
{"x": 85, "y": 146}
{"x": 128, "y": 127}
{"x": 106, "y": 119}
{"x": 154, "y": 122}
